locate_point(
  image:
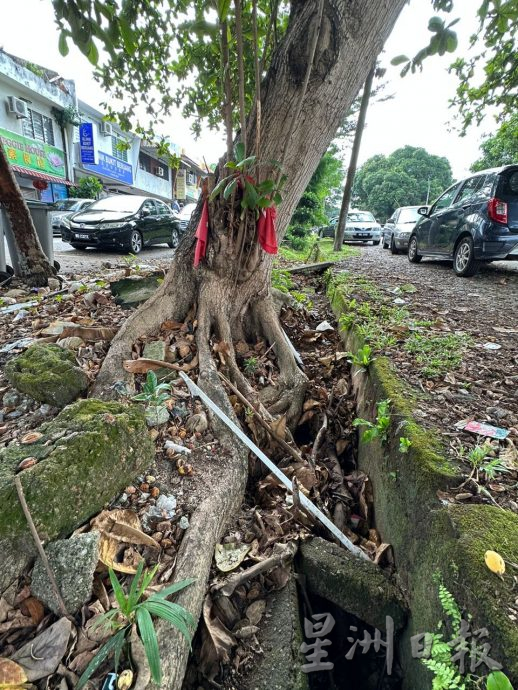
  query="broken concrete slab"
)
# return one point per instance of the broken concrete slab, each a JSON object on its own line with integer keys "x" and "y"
{"x": 47, "y": 373}
{"x": 73, "y": 562}
{"x": 319, "y": 267}
{"x": 356, "y": 586}
{"x": 154, "y": 350}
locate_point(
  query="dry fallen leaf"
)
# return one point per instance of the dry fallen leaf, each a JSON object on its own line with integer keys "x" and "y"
{"x": 12, "y": 676}
{"x": 229, "y": 556}
{"x": 217, "y": 642}
{"x": 494, "y": 562}
{"x": 40, "y": 657}
{"x": 31, "y": 437}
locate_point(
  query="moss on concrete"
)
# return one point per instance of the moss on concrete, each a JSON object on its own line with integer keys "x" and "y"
{"x": 47, "y": 373}
{"x": 428, "y": 535}
{"x": 87, "y": 455}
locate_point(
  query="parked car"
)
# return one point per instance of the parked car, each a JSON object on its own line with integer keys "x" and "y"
{"x": 63, "y": 209}
{"x": 122, "y": 221}
{"x": 474, "y": 221}
{"x": 398, "y": 228}
{"x": 361, "y": 226}
{"x": 184, "y": 216}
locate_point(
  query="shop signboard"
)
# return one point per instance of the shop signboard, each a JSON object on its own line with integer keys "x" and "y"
{"x": 111, "y": 167}
{"x": 87, "y": 143}
{"x": 32, "y": 154}
{"x": 181, "y": 184}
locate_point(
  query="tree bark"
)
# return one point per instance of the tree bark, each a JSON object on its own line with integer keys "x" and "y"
{"x": 35, "y": 268}
{"x": 351, "y": 172}
{"x": 231, "y": 287}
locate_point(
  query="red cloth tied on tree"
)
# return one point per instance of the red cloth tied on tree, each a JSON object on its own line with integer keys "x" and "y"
{"x": 266, "y": 230}
{"x": 202, "y": 232}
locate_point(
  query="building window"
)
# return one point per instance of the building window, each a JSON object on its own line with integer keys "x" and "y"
{"x": 152, "y": 165}
{"x": 191, "y": 178}
{"x": 38, "y": 126}
{"x": 117, "y": 149}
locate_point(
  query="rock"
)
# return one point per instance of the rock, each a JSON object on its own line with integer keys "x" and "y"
{"x": 156, "y": 415}
{"x": 323, "y": 327}
{"x": 47, "y": 373}
{"x": 73, "y": 562}
{"x": 155, "y": 350}
{"x": 11, "y": 399}
{"x": 54, "y": 284}
{"x": 73, "y": 342}
{"x": 75, "y": 286}
{"x": 164, "y": 508}
{"x": 132, "y": 291}
{"x": 86, "y": 456}
{"x": 16, "y": 293}
{"x": 356, "y": 586}
{"x": 57, "y": 327}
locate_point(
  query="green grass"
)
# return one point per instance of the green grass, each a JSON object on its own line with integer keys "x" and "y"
{"x": 325, "y": 252}
{"x": 439, "y": 354}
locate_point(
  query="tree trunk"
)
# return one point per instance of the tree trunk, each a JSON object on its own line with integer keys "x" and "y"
{"x": 351, "y": 172}
{"x": 35, "y": 268}
{"x": 231, "y": 288}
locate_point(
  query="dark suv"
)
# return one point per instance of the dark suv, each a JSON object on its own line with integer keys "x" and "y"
{"x": 474, "y": 221}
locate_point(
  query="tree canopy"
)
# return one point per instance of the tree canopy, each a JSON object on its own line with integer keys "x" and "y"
{"x": 501, "y": 148}
{"x": 406, "y": 177}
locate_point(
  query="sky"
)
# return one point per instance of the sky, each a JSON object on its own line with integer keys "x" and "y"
{"x": 418, "y": 115}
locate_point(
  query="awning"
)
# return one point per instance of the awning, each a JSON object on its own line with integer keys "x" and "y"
{"x": 41, "y": 176}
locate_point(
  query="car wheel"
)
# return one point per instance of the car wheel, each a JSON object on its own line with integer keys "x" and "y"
{"x": 77, "y": 246}
{"x": 464, "y": 262}
{"x": 174, "y": 239}
{"x": 393, "y": 248}
{"x": 413, "y": 256}
{"x": 135, "y": 242}
{"x": 384, "y": 244}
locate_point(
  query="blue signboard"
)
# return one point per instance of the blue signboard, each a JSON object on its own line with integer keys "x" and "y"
{"x": 87, "y": 143}
{"x": 112, "y": 167}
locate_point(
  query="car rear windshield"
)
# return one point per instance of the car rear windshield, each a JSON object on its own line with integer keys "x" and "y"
{"x": 508, "y": 184}
{"x": 65, "y": 204}
{"x": 408, "y": 215}
{"x": 123, "y": 204}
{"x": 361, "y": 217}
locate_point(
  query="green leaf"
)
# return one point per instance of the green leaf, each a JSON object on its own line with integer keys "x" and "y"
{"x": 146, "y": 580}
{"x": 148, "y": 637}
{"x": 172, "y": 589}
{"x": 133, "y": 596}
{"x": 62, "y": 44}
{"x": 435, "y": 24}
{"x": 498, "y": 681}
{"x": 128, "y": 35}
{"x": 93, "y": 54}
{"x": 223, "y": 8}
{"x": 246, "y": 163}
{"x": 165, "y": 610}
{"x": 399, "y": 60}
{"x": 231, "y": 165}
{"x": 217, "y": 189}
{"x": 239, "y": 151}
{"x": 229, "y": 188}
{"x": 101, "y": 655}
{"x": 152, "y": 379}
{"x": 118, "y": 591}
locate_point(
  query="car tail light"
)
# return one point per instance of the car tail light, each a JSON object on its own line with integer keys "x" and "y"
{"x": 497, "y": 210}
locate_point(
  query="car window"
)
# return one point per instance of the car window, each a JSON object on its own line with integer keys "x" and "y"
{"x": 470, "y": 188}
{"x": 123, "y": 203}
{"x": 361, "y": 217}
{"x": 150, "y": 205}
{"x": 486, "y": 190}
{"x": 445, "y": 200}
{"x": 162, "y": 209}
{"x": 408, "y": 215}
{"x": 509, "y": 183}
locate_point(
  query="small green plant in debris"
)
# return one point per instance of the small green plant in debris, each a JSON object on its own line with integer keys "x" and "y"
{"x": 82, "y": 289}
{"x": 101, "y": 284}
{"x": 404, "y": 444}
{"x": 379, "y": 429}
{"x": 281, "y": 280}
{"x": 154, "y": 394}
{"x": 250, "y": 365}
{"x": 478, "y": 454}
{"x": 132, "y": 609}
{"x": 132, "y": 262}
{"x": 493, "y": 468}
{"x": 438, "y": 354}
{"x": 440, "y": 651}
{"x": 58, "y": 298}
{"x": 362, "y": 358}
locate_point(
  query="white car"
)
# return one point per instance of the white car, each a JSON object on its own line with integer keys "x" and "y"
{"x": 361, "y": 226}
{"x": 63, "y": 209}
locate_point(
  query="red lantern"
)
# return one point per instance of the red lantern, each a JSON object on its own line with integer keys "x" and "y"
{"x": 40, "y": 184}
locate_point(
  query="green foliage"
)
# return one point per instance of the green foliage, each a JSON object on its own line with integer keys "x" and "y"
{"x": 404, "y": 444}
{"x": 154, "y": 394}
{"x": 404, "y": 178}
{"x": 363, "y": 357}
{"x": 493, "y": 468}
{"x": 250, "y": 365}
{"x": 380, "y": 428}
{"x": 478, "y": 454}
{"x": 438, "y": 354}
{"x": 132, "y": 610}
{"x": 501, "y": 148}
{"x": 498, "y": 681}
{"x": 282, "y": 280}
{"x": 88, "y": 188}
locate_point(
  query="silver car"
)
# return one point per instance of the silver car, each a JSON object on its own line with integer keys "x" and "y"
{"x": 64, "y": 208}
{"x": 361, "y": 226}
{"x": 398, "y": 228}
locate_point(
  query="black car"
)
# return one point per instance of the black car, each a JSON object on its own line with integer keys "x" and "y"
{"x": 474, "y": 221}
{"x": 122, "y": 221}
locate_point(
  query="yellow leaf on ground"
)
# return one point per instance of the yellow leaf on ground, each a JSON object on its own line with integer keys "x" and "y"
{"x": 494, "y": 562}
{"x": 12, "y": 675}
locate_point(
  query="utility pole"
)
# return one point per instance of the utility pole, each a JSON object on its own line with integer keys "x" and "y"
{"x": 351, "y": 172}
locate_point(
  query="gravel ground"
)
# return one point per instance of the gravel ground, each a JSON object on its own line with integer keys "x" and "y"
{"x": 483, "y": 386}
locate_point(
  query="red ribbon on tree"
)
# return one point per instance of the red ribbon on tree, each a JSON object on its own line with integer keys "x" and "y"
{"x": 266, "y": 230}
{"x": 202, "y": 232}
